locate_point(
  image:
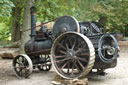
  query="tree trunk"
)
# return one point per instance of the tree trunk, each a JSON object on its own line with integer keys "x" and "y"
{"x": 16, "y": 18}
{"x": 26, "y": 24}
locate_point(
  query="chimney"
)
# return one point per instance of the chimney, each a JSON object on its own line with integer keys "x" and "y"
{"x": 33, "y": 21}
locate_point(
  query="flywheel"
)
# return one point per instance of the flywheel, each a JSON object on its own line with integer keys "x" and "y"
{"x": 65, "y": 24}
{"x": 73, "y": 55}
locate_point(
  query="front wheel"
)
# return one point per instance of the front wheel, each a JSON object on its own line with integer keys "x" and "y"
{"x": 22, "y": 66}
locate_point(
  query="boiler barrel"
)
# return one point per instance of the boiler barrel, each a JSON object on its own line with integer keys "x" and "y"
{"x": 33, "y": 46}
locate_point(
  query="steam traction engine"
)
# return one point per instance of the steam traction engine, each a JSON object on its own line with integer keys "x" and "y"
{"x": 73, "y": 48}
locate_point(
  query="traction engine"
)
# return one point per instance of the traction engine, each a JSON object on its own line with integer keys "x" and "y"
{"x": 73, "y": 48}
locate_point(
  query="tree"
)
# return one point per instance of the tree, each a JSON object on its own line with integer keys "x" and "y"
{"x": 116, "y": 14}
{"x": 5, "y": 14}
{"x": 26, "y": 24}
{"x": 16, "y": 19}
{"x": 81, "y": 9}
{"x": 110, "y": 13}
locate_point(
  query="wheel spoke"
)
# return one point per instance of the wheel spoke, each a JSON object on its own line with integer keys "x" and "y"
{"x": 48, "y": 58}
{"x": 61, "y": 46}
{"x": 72, "y": 70}
{"x": 84, "y": 54}
{"x": 64, "y": 65}
{"x": 26, "y": 71}
{"x": 61, "y": 51}
{"x": 77, "y": 67}
{"x": 68, "y": 67}
{"x": 81, "y": 65}
{"x": 66, "y": 45}
{"x": 62, "y": 60}
{"x": 23, "y": 60}
{"x": 20, "y": 73}
{"x": 80, "y": 49}
{"x": 18, "y": 63}
{"x": 74, "y": 44}
{"x": 18, "y": 60}
{"x": 68, "y": 40}
{"x": 82, "y": 59}
{"x": 60, "y": 56}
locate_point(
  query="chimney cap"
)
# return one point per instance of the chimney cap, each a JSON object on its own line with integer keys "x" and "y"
{"x": 33, "y": 9}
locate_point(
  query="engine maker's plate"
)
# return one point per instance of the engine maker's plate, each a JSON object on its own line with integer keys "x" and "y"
{"x": 65, "y": 24}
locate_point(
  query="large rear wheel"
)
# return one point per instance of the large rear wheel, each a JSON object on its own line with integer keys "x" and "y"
{"x": 73, "y": 55}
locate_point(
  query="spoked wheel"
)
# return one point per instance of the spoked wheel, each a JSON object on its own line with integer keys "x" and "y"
{"x": 46, "y": 66}
{"x": 22, "y": 66}
{"x": 108, "y": 48}
{"x": 73, "y": 55}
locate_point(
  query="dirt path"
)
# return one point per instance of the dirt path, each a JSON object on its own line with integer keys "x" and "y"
{"x": 116, "y": 76}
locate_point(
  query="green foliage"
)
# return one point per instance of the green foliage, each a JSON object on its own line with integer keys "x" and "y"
{"x": 10, "y": 14}
{"x": 5, "y": 9}
{"x": 81, "y": 9}
{"x": 111, "y": 14}
{"x": 5, "y": 15}
{"x": 4, "y": 32}
{"x": 116, "y": 12}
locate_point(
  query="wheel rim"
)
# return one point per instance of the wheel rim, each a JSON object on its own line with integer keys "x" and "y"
{"x": 108, "y": 48}
{"x": 71, "y": 58}
{"x": 47, "y": 65}
{"x": 22, "y": 66}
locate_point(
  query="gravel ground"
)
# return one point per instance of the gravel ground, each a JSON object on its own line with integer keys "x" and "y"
{"x": 115, "y": 76}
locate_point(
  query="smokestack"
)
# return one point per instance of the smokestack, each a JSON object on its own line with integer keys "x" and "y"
{"x": 33, "y": 22}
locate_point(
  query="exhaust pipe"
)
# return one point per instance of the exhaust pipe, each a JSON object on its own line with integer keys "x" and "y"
{"x": 33, "y": 22}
